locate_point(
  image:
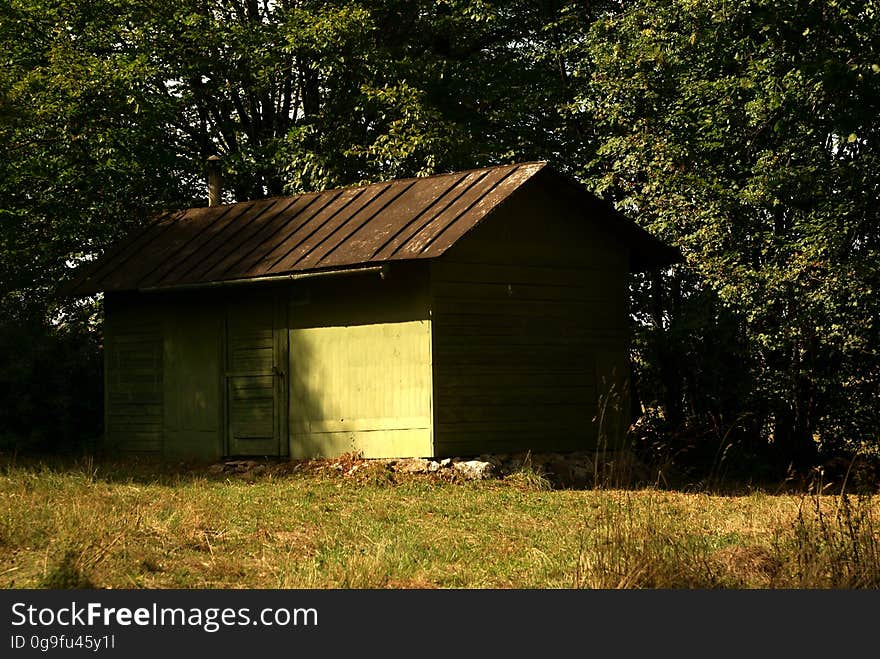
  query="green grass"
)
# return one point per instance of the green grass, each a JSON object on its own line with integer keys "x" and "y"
{"x": 72, "y": 525}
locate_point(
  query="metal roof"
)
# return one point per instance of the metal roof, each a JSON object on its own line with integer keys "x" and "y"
{"x": 331, "y": 230}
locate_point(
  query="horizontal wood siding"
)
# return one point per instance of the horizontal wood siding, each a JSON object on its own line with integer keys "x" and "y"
{"x": 526, "y": 320}
{"x": 133, "y": 378}
{"x": 360, "y": 366}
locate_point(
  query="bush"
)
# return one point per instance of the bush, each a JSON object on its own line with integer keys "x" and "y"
{"x": 51, "y": 381}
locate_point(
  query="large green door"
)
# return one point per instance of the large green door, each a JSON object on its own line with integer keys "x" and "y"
{"x": 254, "y": 377}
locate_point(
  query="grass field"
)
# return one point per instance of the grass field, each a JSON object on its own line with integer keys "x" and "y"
{"x": 83, "y": 524}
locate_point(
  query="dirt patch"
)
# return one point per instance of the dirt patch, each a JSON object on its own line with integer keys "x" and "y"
{"x": 576, "y": 470}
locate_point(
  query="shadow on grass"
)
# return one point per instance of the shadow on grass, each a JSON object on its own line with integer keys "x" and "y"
{"x": 131, "y": 469}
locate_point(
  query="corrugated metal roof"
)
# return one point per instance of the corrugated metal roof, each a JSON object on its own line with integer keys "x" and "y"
{"x": 330, "y": 230}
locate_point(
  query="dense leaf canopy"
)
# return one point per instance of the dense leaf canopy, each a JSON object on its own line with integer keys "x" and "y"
{"x": 748, "y": 133}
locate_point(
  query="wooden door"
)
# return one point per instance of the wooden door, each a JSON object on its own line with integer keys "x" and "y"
{"x": 254, "y": 378}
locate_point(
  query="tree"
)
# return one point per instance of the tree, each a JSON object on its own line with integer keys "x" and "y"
{"x": 111, "y": 111}
{"x": 748, "y": 133}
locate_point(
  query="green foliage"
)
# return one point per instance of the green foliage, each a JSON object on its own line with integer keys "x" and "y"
{"x": 747, "y": 133}
{"x": 51, "y": 382}
{"x": 109, "y": 112}
{"x": 85, "y": 151}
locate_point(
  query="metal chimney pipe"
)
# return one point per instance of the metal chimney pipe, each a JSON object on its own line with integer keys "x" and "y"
{"x": 215, "y": 181}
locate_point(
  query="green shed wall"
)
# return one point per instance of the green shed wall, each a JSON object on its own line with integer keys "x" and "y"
{"x": 529, "y": 333}
{"x": 347, "y": 359}
{"x": 193, "y": 375}
{"x": 133, "y": 375}
{"x": 360, "y": 350}
{"x": 163, "y": 374}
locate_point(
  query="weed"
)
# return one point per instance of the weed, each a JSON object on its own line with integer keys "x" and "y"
{"x": 834, "y": 548}
{"x": 615, "y": 465}
{"x": 528, "y": 477}
{"x": 629, "y": 546}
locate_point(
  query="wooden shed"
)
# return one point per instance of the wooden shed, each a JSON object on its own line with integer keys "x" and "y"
{"x": 464, "y": 313}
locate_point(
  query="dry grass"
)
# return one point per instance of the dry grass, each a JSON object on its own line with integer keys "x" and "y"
{"x": 86, "y": 525}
